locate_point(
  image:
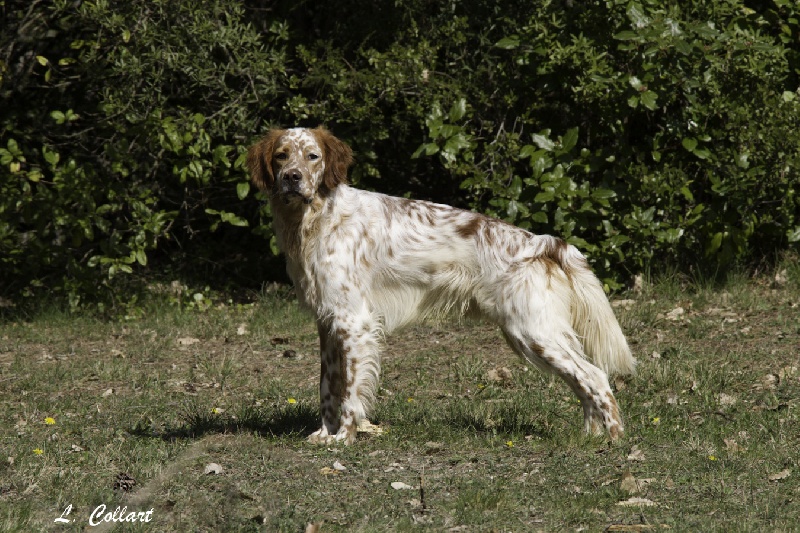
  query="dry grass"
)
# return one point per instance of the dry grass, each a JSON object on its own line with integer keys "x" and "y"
{"x": 473, "y": 440}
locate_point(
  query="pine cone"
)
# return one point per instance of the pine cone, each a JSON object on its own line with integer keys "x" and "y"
{"x": 124, "y": 482}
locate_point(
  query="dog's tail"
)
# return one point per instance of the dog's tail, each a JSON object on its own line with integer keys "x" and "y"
{"x": 592, "y": 317}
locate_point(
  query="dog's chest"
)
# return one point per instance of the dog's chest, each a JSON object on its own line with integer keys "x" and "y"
{"x": 316, "y": 257}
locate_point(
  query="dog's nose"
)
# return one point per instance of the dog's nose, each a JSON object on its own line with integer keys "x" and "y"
{"x": 294, "y": 176}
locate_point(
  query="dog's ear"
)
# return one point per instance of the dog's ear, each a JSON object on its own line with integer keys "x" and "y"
{"x": 338, "y": 158}
{"x": 259, "y": 160}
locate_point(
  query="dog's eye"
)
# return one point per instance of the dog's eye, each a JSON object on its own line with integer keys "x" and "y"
{"x": 281, "y": 156}
{"x": 313, "y": 157}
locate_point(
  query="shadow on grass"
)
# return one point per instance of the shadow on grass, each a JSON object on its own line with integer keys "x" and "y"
{"x": 297, "y": 420}
{"x": 503, "y": 426}
{"x": 473, "y": 416}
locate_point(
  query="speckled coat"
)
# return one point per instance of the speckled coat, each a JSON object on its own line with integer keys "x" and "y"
{"x": 367, "y": 264}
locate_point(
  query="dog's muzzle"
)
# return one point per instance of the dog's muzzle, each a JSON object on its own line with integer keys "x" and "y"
{"x": 292, "y": 185}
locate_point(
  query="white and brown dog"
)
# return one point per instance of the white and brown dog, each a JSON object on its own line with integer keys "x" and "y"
{"x": 367, "y": 264}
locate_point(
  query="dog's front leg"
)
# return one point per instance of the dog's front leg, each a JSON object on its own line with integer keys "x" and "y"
{"x": 349, "y": 370}
{"x": 330, "y": 385}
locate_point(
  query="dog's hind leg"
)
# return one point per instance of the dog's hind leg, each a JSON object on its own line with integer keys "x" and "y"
{"x": 534, "y": 313}
{"x": 589, "y": 383}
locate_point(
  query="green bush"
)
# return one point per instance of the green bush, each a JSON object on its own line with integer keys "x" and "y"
{"x": 124, "y": 128}
{"x": 643, "y": 134}
{"x": 646, "y": 134}
{"x": 675, "y": 129}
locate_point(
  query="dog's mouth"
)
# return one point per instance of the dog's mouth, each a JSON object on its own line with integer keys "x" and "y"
{"x": 290, "y": 194}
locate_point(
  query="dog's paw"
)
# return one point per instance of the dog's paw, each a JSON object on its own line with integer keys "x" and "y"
{"x": 321, "y": 437}
{"x": 346, "y": 434}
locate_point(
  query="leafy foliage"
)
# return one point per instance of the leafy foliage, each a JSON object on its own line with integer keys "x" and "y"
{"x": 124, "y": 128}
{"x": 659, "y": 158}
{"x": 644, "y": 133}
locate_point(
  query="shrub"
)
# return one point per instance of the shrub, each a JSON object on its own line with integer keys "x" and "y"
{"x": 674, "y": 139}
{"x": 642, "y": 132}
{"x": 124, "y": 126}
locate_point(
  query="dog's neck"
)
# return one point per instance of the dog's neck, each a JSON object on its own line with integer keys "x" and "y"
{"x": 295, "y": 220}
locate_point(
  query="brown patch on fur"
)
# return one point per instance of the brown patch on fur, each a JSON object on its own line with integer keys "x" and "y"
{"x": 394, "y": 208}
{"x": 555, "y": 249}
{"x": 614, "y": 407}
{"x": 580, "y": 389}
{"x": 431, "y": 218}
{"x": 338, "y": 158}
{"x": 471, "y": 227}
{"x": 550, "y": 267}
{"x": 405, "y": 203}
{"x": 352, "y": 377}
{"x": 400, "y": 204}
{"x": 537, "y": 350}
{"x": 488, "y": 235}
{"x": 611, "y": 399}
{"x": 259, "y": 160}
{"x": 614, "y": 431}
{"x": 342, "y": 370}
{"x": 349, "y": 427}
{"x": 323, "y": 338}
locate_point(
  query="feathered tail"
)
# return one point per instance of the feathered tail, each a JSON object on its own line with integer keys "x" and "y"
{"x": 593, "y": 319}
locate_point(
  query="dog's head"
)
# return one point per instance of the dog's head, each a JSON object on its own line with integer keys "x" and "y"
{"x": 298, "y": 164}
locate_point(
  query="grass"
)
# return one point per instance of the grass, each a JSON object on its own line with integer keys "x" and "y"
{"x": 711, "y": 443}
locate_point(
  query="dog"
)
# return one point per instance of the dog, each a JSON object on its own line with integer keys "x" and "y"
{"x": 367, "y": 264}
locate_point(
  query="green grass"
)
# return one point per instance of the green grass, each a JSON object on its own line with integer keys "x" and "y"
{"x": 712, "y": 423}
